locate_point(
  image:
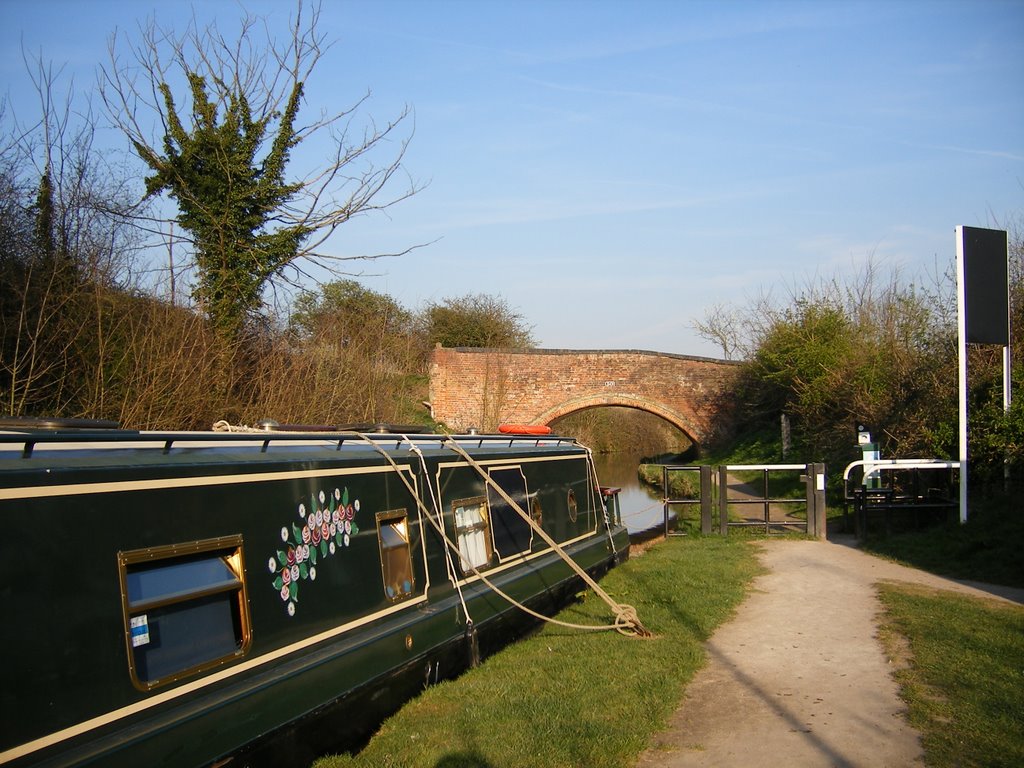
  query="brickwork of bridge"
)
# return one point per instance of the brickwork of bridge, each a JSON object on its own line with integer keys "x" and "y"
{"x": 481, "y": 388}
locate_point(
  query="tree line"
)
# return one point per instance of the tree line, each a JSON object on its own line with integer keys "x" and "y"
{"x": 80, "y": 339}
{"x": 158, "y": 305}
{"x": 877, "y": 349}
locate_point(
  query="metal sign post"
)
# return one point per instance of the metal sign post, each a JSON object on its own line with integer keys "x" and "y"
{"x": 983, "y": 315}
{"x": 961, "y": 349}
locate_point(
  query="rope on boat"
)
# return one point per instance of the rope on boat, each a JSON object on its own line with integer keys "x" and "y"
{"x": 595, "y": 494}
{"x": 225, "y": 426}
{"x": 474, "y": 647}
{"x": 626, "y": 620}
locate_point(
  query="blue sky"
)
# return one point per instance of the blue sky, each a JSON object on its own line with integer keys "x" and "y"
{"x": 614, "y": 169}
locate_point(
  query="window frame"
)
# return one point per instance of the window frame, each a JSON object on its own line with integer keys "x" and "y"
{"x": 386, "y": 518}
{"x": 484, "y": 527}
{"x": 230, "y": 549}
{"x": 497, "y": 500}
{"x": 537, "y": 510}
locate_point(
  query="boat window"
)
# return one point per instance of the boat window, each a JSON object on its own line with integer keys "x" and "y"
{"x": 573, "y": 506}
{"x": 472, "y": 530}
{"x": 536, "y": 512}
{"x": 395, "y": 553}
{"x": 185, "y": 609}
{"x": 512, "y": 534}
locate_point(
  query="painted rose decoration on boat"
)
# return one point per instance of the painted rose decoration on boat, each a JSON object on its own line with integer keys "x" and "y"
{"x": 323, "y": 529}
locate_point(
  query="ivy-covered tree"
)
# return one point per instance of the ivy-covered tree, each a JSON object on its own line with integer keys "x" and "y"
{"x": 44, "y": 215}
{"x": 226, "y": 195}
{"x": 226, "y": 110}
{"x": 800, "y": 366}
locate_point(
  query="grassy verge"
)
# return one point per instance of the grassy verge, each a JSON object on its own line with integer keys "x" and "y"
{"x": 963, "y": 683}
{"x": 567, "y": 698}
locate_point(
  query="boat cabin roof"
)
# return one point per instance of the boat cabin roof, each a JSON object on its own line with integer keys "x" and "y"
{"x": 54, "y": 439}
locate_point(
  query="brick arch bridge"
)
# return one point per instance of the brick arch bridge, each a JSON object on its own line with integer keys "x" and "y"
{"x": 481, "y": 388}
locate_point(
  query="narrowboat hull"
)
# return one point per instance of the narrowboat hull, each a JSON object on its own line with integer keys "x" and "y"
{"x": 188, "y": 599}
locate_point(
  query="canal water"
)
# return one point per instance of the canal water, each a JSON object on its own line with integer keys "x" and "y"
{"x": 641, "y": 506}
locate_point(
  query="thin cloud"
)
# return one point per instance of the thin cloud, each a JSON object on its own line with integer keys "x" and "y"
{"x": 498, "y": 212}
{"x": 998, "y": 153}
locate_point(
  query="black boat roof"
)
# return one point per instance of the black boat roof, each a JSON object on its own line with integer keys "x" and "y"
{"x": 26, "y": 438}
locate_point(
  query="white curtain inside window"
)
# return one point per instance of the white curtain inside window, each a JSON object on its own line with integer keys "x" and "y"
{"x": 472, "y": 536}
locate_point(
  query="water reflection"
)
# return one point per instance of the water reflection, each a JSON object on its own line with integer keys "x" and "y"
{"x": 641, "y": 506}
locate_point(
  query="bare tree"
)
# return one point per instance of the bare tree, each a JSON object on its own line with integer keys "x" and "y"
{"x": 64, "y": 246}
{"x": 722, "y": 326}
{"x": 215, "y": 119}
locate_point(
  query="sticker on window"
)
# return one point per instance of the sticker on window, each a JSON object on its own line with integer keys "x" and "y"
{"x": 140, "y": 630}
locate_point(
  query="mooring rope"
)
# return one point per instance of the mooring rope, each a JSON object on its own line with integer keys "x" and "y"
{"x": 225, "y": 426}
{"x": 626, "y": 620}
{"x": 644, "y": 510}
{"x": 439, "y": 524}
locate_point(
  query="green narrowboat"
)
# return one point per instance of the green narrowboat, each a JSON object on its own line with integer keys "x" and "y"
{"x": 250, "y": 598}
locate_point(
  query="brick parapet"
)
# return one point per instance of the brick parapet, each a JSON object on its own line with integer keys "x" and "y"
{"x": 482, "y": 387}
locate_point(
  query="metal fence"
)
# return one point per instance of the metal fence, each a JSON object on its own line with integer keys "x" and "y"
{"x": 906, "y": 492}
{"x": 724, "y": 503}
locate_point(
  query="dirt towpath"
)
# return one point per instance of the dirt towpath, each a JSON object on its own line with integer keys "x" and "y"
{"x": 799, "y": 677}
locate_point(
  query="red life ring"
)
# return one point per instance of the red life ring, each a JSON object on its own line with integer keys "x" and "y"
{"x": 524, "y": 429}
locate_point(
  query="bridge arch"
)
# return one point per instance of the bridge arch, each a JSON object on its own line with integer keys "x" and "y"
{"x": 481, "y": 388}
{"x": 611, "y": 400}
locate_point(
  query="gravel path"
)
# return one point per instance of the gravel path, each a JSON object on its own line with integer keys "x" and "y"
{"x": 798, "y": 677}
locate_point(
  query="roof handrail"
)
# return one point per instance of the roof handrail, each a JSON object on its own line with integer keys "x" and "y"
{"x": 899, "y": 464}
{"x": 165, "y": 441}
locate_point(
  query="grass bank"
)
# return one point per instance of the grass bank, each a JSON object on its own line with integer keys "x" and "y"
{"x": 961, "y": 677}
{"x": 568, "y": 698}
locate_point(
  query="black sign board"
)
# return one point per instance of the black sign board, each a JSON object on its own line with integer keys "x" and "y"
{"x": 986, "y": 303}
